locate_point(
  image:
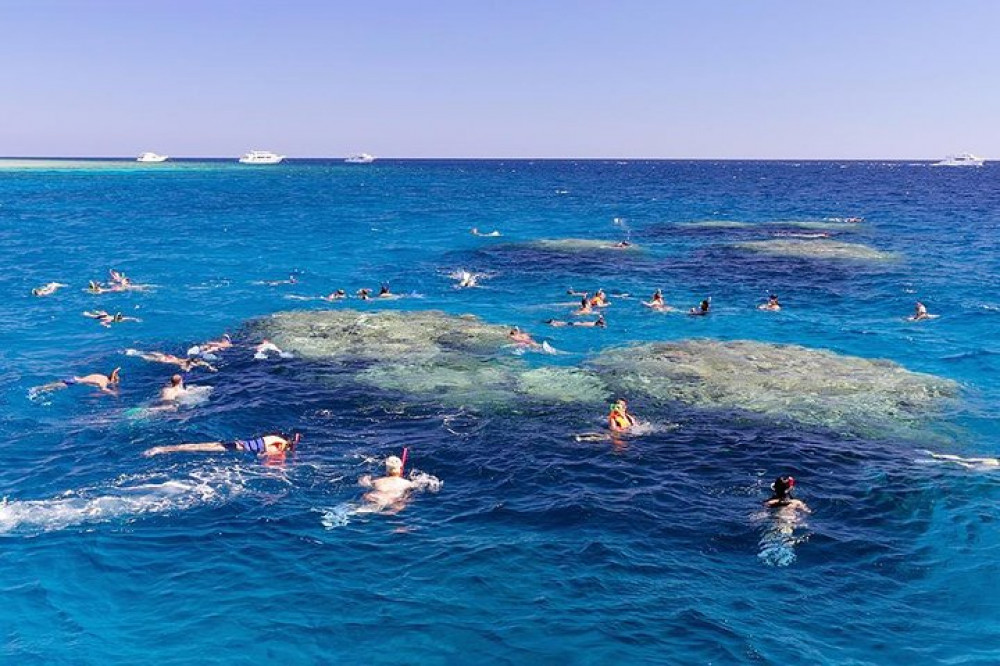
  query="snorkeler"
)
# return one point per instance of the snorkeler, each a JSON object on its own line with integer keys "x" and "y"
{"x": 772, "y": 304}
{"x": 619, "y": 420}
{"x": 600, "y": 299}
{"x": 174, "y": 390}
{"x": 585, "y": 307}
{"x": 920, "y": 313}
{"x": 119, "y": 278}
{"x": 274, "y": 283}
{"x": 968, "y": 463}
{"x": 268, "y": 445}
{"x": 657, "y": 302}
{"x": 520, "y": 337}
{"x": 185, "y": 364}
{"x": 47, "y": 289}
{"x": 364, "y": 294}
{"x": 389, "y": 489}
{"x": 598, "y": 323}
{"x": 383, "y": 291}
{"x": 208, "y": 349}
{"x": 782, "y": 495}
{"x": 476, "y": 232}
{"x": 266, "y": 347}
{"x": 335, "y": 296}
{"x": 106, "y": 383}
{"x": 702, "y": 309}
{"x": 105, "y": 318}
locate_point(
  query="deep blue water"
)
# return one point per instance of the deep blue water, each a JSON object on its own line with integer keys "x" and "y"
{"x": 538, "y": 549}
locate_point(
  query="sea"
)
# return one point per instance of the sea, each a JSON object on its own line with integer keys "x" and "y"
{"x": 534, "y": 547}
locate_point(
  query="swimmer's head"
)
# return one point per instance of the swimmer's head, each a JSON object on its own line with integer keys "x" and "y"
{"x": 176, "y": 380}
{"x": 393, "y": 466}
{"x": 115, "y": 376}
{"x": 600, "y": 321}
{"x": 782, "y": 487}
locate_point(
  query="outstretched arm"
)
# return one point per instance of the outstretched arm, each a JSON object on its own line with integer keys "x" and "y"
{"x": 201, "y": 447}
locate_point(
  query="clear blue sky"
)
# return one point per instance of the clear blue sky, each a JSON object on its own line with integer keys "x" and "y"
{"x": 478, "y": 78}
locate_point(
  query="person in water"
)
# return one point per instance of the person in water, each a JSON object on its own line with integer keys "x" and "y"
{"x": 185, "y": 364}
{"x": 267, "y": 445}
{"x": 266, "y": 347}
{"x": 47, "y": 289}
{"x": 772, "y": 304}
{"x": 619, "y": 420}
{"x": 585, "y": 307}
{"x": 920, "y": 312}
{"x": 336, "y": 295}
{"x": 600, "y": 299}
{"x": 476, "y": 232}
{"x": 597, "y": 323}
{"x": 968, "y": 463}
{"x": 702, "y": 309}
{"x": 781, "y": 496}
{"x": 383, "y": 291}
{"x": 173, "y": 391}
{"x": 389, "y": 490}
{"x": 657, "y": 302}
{"x": 105, "y": 318}
{"x": 364, "y": 294}
{"x": 519, "y": 337}
{"x": 106, "y": 383}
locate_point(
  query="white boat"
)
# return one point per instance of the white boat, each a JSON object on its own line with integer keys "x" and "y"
{"x": 261, "y": 157}
{"x": 962, "y": 159}
{"x": 151, "y": 157}
{"x": 360, "y": 158}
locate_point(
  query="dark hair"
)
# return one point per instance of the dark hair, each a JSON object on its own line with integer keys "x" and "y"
{"x": 782, "y": 487}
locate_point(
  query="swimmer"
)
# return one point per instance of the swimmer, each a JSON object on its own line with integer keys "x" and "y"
{"x": 465, "y": 279}
{"x": 389, "y": 490}
{"x": 600, "y": 299}
{"x": 119, "y": 278}
{"x": 47, "y": 289}
{"x": 854, "y": 220}
{"x": 364, "y": 294}
{"x": 573, "y": 292}
{"x": 619, "y": 420}
{"x": 520, "y": 337}
{"x": 597, "y": 323}
{"x": 621, "y": 245}
{"x": 476, "y": 232}
{"x": 383, "y": 291}
{"x": 772, "y": 304}
{"x": 585, "y": 307}
{"x": 209, "y": 348}
{"x": 968, "y": 463}
{"x": 702, "y": 309}
{"x": 105, "y": 318}
{"x": 657, "y": 302}
{"x": 782, "y": 497}
{"x": 335, "y": 296}
{"x": 268, "y": 445}
{"x": 95, "y": 287}
{"x": 106, "y": 383}
{"x": 185, "y": 364}
{"x": 920, "y": 313}
{"x": 266, "y": 347}
{"x": 274, "y": 283}
{"x": 174, "y": 390}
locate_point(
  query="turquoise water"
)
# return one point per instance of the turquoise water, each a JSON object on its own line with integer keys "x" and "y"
{"x": 538, "y": 548}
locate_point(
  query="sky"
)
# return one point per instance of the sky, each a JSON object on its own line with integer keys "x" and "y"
{"x": 768, "y": 79}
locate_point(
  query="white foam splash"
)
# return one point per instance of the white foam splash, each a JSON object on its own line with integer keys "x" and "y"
{"x": 130, "y": 498}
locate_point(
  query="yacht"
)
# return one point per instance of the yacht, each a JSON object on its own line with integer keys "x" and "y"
{"x": 151, "y": 157}
{"x": 360, "y": 158}
{"x": 962, "y": 159}
{"x": 261, "y": 157}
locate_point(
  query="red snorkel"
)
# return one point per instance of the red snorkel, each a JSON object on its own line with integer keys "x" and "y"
{"x": 402, "y": 465}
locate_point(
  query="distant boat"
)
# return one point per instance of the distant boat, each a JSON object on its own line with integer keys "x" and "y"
{"x": 360, "y": 158}
{"x": 962, "y": 159}
{"x": 261, "y": 157}
{"x": 151, "y": 157}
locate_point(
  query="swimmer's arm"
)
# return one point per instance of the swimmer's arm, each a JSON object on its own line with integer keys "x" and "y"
{"x": 201, "y": 447}
{"x": 365, "y": 481}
